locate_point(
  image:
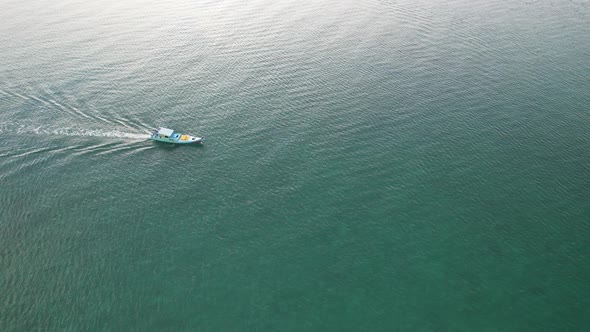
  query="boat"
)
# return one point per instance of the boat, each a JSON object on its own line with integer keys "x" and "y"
{"x": 170, "y": 136}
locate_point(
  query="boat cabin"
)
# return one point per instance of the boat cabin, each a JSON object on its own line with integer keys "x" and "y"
{"x": 164, "y": 132}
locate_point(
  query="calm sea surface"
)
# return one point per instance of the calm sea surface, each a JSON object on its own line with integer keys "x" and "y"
{"x": 372, "y": 165}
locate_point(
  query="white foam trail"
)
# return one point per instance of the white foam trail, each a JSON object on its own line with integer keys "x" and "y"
{"x": 23, "y": 97}
{"x": 77, "y": 111}
{"x": 40, "y": 100}
{"x": 27, "y": 130}
{"x": 99, "y": 133}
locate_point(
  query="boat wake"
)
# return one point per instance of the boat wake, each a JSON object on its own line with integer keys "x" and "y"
{"x": 27, "y": 130}
{"x": 48, "y": 101}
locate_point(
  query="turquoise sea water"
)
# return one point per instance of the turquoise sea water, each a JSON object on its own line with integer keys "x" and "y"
{"x": 368, "y": 166}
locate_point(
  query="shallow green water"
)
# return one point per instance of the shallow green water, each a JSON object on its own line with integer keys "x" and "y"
{"x": 368, "y": 165}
